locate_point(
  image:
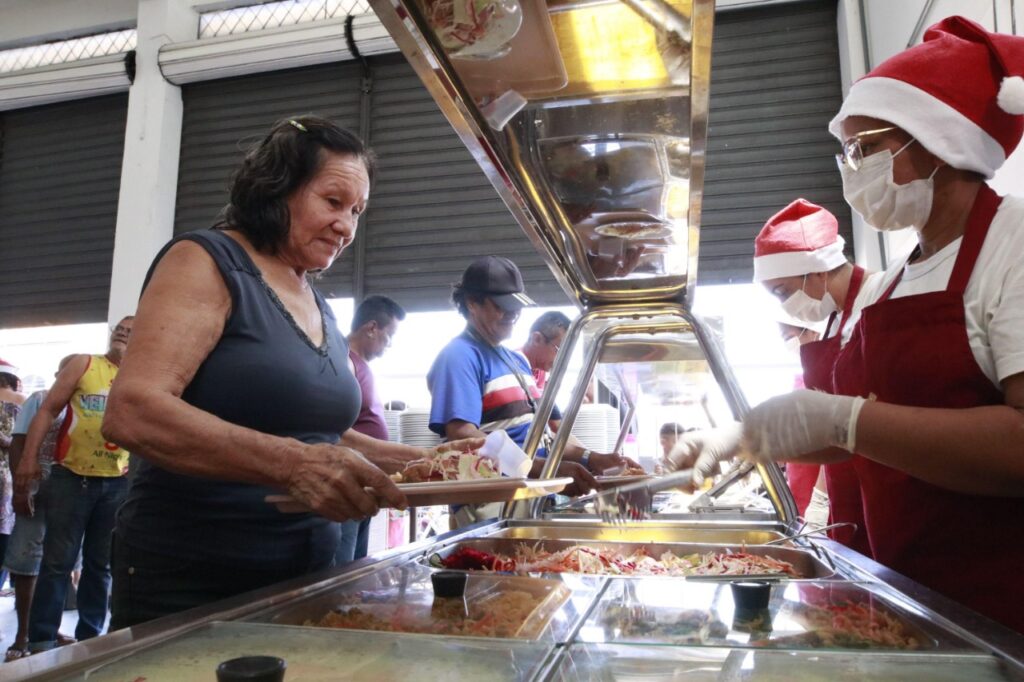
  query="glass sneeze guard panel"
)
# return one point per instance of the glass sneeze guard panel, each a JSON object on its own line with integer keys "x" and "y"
{"x": 320, "y": 655}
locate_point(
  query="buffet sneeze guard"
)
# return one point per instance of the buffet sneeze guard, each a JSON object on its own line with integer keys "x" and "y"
{"x": 590, "y": 120}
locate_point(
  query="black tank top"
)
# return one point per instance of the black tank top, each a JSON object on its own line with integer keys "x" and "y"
{"x": 264, "y": 374}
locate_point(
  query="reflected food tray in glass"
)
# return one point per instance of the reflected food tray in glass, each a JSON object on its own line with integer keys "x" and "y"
{"x": 627, "y": 663}
{"x": 805, "y": 615}
{"x": 402, "y": 600}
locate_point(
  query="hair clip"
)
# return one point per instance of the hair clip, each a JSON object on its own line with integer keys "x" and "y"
{"x": 298, "y": 125}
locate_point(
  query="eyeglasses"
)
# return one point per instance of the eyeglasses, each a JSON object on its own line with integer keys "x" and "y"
{"x": 551, "y": 342}
{"x": 853, "y": 153}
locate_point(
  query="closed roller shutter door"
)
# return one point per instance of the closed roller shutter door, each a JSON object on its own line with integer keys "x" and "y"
{"x": 433, "y": 210}
{"x": 60, "y": 171}
{"x": 222, "y": 119}
{"x": 775, "y": 85}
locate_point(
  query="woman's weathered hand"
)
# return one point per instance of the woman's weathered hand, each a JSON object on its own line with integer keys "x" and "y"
{"x": 332, "y": 480}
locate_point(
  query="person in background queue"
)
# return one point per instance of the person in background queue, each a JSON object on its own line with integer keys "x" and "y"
{"x": 668, "y": 434}
{"x": 374, "y": 325}
{"x": 798, "y": 258}
{"x": 237, "y": 385}
{"x": 87, "y": 483}
{"x": 25, "y": 550}
{"x": 478, "y": 386}
{"x": 929, "y": 390}
{"x": 546, "y": 335}
{"x": 11, "y": 400}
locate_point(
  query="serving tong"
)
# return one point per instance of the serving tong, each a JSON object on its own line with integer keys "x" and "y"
{"x": 632, "y": 501}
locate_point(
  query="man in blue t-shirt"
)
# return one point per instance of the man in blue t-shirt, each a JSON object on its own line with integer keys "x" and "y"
{"x": 478, "y": 386}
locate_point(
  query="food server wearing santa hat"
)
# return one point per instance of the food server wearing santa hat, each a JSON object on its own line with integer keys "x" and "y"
{"x": 926, "y": 397}
{"x": 799, "y": 259}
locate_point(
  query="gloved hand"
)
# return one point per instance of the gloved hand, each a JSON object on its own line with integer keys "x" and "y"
{"x": 704, "y": 450}
{"x": 799, "y": 423}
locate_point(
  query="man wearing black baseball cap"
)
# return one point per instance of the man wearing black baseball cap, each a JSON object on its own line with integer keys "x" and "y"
{"x": 477, "y": 385}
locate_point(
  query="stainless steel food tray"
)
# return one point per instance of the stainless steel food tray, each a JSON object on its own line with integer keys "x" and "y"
{"x": 659, "y": 533}
{"x": 804, "y": 562}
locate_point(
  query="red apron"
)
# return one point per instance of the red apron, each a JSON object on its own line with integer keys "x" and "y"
{"x": 914, "y": 351}
{"x": 818, "y": 359}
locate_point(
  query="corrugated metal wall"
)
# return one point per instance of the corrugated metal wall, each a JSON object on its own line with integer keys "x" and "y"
{"x": 431, "y": 210}
{"x": 775, "y": 85}
{"x": 60, "y": 171}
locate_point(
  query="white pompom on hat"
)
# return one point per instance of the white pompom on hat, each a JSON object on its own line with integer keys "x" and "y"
{"x": 960, "y": 93}
{"x": 798, "y": 240}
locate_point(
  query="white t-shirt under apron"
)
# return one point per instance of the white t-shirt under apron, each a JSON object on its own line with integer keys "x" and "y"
{"x": 994, "y": 300}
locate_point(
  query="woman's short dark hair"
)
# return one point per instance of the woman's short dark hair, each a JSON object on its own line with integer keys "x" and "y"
{"x": 10, "y": 381}
{"x": 285, "y": 160}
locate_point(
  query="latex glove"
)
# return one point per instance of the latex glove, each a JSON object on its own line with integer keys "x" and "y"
{"x": 799, "y": 423}
{"x": 705, "y": 450}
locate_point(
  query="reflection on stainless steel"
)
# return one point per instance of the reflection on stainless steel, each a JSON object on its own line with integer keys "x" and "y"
{"x": 588, "y": 117}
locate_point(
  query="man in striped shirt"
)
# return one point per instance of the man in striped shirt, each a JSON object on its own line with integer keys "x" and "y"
{"x": 478, "y": 386}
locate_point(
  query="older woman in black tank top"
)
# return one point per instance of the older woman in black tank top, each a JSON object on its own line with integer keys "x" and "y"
{"x": 238, "y": 385}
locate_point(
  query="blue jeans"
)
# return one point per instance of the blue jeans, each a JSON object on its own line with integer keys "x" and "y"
{"x": 79, "y": 513}
{"x": 346, "y": 551}
{"x": 363, "y": 539}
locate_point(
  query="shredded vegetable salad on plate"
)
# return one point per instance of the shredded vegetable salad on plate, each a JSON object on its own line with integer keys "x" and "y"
{"x": 592, "y": 560}
{"x": 448, "y": 466}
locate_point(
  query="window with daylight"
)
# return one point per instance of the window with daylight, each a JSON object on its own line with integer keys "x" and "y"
{"x": 62, "y": 51}
{"x": 275, "y": 14}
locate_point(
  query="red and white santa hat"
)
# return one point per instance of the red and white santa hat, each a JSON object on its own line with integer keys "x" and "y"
{"x": 960, "y": 93}
{"x": 8, "y": 368}
{"x": 800, "y": 239}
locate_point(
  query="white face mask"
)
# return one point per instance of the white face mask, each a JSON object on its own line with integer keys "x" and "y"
{"x": 807, "y": 309}
{"x": 871, "y": 191}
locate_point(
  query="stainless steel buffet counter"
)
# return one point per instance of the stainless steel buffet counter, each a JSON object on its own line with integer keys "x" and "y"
{"x": 856, "y": 621}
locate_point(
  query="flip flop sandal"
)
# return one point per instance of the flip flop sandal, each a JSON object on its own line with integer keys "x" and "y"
{"x": 14, "y": 653}
{"x": 64, "y": 640}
